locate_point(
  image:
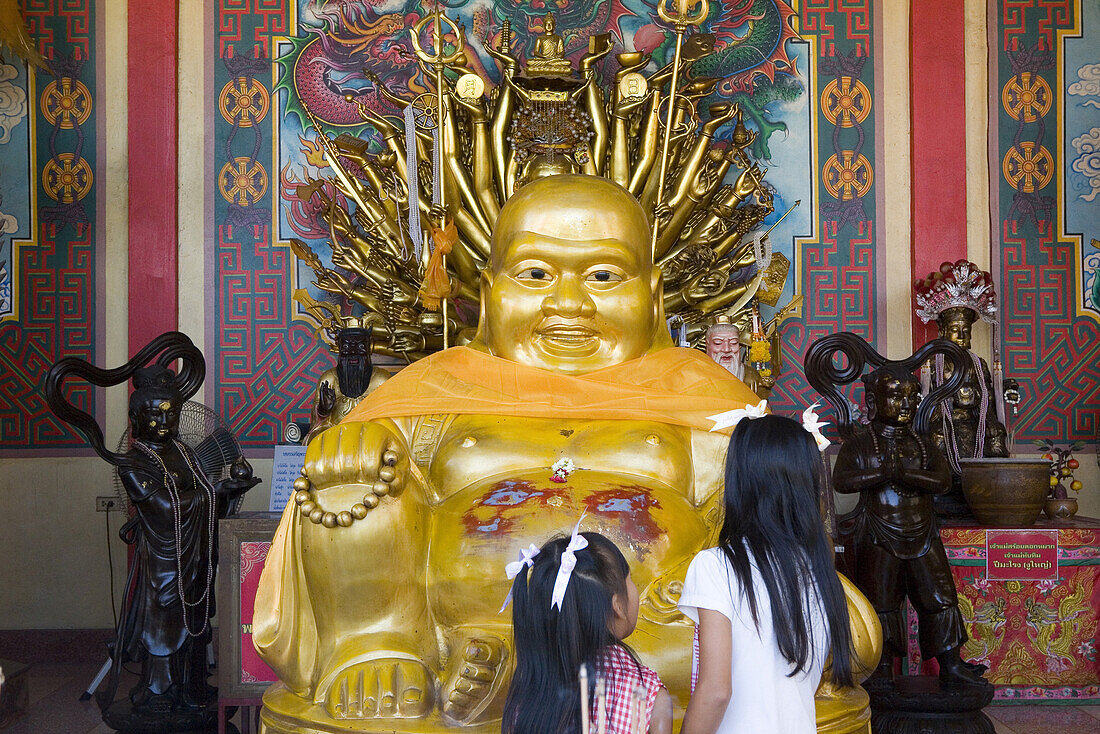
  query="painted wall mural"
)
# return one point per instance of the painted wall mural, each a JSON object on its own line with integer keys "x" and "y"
{"x": 1047, "y": 69}
{"x": 50, "y": 249}
{"x": 804, "y": 77}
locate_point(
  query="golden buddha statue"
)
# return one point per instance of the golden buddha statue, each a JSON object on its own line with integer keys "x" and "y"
{"x": 379, "y": 604}
{"x": 548, "y": 58}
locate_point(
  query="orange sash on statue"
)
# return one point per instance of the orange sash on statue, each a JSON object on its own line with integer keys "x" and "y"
{"x": 673, "y": 385}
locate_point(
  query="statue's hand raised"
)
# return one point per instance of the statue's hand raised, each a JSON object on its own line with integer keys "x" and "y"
{"x": 358, "y": 455}
{"x": 326, "y": 399}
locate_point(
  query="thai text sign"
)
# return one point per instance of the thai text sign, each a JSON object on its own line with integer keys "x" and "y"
{"x": 1030, "y": 555}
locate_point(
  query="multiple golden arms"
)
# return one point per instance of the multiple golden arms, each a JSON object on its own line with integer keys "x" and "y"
{"x": 698, "y": 211}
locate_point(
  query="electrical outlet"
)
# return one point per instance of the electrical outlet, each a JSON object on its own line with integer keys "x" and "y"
{"x": 106, "y": 504}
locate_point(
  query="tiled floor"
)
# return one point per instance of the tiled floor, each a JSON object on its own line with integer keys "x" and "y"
{"x": 55, "y": 705}
{"x": 1045, "y": 719}
{"x": 55, "y": 708}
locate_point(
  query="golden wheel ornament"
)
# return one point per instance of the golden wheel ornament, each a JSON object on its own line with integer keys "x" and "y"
{"x": 424, "y": 111}
{"x": 1026, "y": 94}
{"x": 66, "y": 101}
{"x": 243, "y": 181}
{"x": 687, "y": 124}
{"x": 1027, "y": 168}
{"x": 846, "y": 102}
{"x": 848, "y": 176}
{"x": 66, "y": 178}
{"x": 244, "y": 102}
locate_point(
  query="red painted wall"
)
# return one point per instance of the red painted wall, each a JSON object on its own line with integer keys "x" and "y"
{"x": 151, "y": 148}
{"x": 937, "y": 80}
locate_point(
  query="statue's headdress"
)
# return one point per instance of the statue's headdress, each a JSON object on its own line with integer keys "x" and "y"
{"x": 153, "y": 378}
{"x": 963, "y": 285}
{"x": 829, "y": 375}
{"x": 331, "y": 322}
{"x": 153, "y": 382}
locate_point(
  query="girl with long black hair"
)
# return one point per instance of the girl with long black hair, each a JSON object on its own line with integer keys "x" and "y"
{"x": 574, "y": 603}
{"x": 767, "y": 602}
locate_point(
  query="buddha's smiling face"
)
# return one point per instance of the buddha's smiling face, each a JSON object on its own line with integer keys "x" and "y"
{"x": 572, "y": 286}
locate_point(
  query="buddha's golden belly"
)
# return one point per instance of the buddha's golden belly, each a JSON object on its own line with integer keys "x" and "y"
{"x": 476, "y": 450}
{"x": 492, "y": 477}
{"x": 480, "y": 529}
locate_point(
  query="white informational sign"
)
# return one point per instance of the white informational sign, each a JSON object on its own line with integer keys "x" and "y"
{"x": 288, "y": 467}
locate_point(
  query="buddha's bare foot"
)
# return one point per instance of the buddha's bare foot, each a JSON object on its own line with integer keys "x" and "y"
{"x": 476, "y": 676}
{"x": 383, "y": 688}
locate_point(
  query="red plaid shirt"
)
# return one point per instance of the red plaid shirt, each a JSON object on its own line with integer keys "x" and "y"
{"x": 621, "y": 674}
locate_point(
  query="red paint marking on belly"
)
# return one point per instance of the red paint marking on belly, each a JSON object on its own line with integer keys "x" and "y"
{"x": 488, "y": 515}
{"x": 629, "y": 506}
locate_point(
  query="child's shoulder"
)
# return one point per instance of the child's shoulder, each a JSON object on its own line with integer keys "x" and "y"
{"x": 618, "y": 659}
{"x": 709, "y": 559}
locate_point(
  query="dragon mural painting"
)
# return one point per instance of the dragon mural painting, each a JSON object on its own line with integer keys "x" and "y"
{"x": 340, "y": 43}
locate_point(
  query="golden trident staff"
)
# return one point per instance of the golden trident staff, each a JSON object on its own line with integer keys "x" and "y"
{"x": 688, "y": 12}
{"x": 438, "y": 60}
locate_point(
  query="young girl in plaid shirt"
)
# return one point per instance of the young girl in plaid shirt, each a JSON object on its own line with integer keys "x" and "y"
{"x": 767, "y": 602}
{"x": 574, "y": 603}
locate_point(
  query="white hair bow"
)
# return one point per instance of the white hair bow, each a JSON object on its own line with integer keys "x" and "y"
{"x": 731, "y": 418}
{"x": 568, "y": 563}
{"x": 526, "y": 558}
{"x": 813, "y": 424}
{"x": 810, "y": 420}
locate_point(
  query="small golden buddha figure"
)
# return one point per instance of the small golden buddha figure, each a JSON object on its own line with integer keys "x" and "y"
{"x": 973, "y": 436}
{"x": 378, "y": 607}
{"x": 549, "y": 54}
{"x": 971, "y": 423}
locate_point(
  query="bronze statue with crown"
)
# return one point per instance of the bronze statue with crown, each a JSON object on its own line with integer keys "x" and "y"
{"x": 970, "y": 424}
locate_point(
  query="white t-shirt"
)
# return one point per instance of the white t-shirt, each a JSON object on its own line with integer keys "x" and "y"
{"x": 763, "y": 699}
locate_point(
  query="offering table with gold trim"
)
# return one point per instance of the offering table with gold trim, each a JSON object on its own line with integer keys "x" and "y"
{"x": 1038, "y": 637}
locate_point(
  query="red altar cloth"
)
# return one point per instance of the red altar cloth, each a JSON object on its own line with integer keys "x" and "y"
{"x": 1038, "y": 637}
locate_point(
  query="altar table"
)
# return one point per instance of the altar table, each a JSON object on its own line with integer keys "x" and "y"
{"x": 1039, "y": 636}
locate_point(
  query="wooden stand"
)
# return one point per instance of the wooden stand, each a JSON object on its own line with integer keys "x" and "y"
{"x": 916, "y": 704}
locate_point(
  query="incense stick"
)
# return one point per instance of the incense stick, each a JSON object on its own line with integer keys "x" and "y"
{"x": 583, "y": 678}
{"x": 601, "y": 705}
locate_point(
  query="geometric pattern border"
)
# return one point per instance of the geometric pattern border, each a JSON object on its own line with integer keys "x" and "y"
{"x": 1048, "y": 341}
{"x": 52, "y": 262}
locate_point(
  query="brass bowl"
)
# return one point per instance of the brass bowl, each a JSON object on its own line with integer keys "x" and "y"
{"x": 1008, "y": 492}
{"x": 1060, "y": 509}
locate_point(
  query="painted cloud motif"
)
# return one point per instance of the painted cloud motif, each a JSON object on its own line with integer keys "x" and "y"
{"x": 1088, "y": 84}
{"x": 1092, "y": 279}
{"x": 13, "y": 102}
{"x": 5, "y": 289}
{"x": 1087, "y": 162}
